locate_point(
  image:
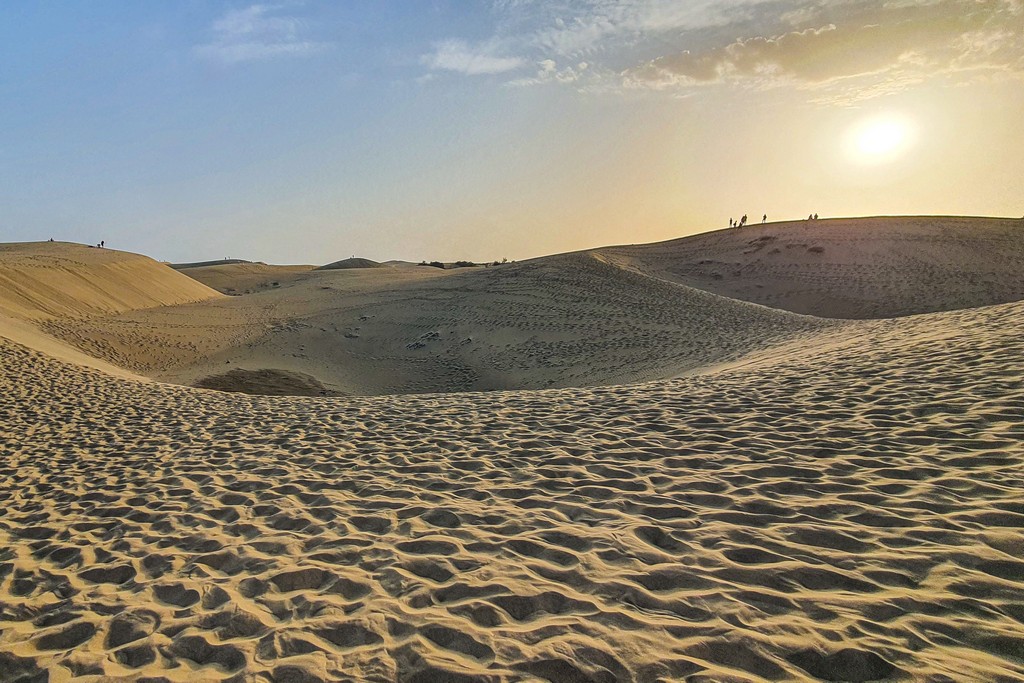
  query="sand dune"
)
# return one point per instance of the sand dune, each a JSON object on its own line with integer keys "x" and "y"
{"x": 848, "y": 268}
{"x": 353, "y": 262}
{"x": 217, "y": 262}
{"x": 807, "y": 499}
{"x": 242, "y": 277}
{"x": 44, "y": 280}
{"x": 568, "y": 320}
{"x": 849, "y": 513}
{"x": 608, "y": 316}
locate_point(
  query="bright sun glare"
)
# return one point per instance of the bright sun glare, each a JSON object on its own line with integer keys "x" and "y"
{"x": 880, "y": 139}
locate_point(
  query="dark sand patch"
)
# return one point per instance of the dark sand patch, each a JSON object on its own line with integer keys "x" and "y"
{"x": 266, "y": 382}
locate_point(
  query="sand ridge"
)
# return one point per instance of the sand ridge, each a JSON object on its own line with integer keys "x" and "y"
{"x": 236, "y": 278}
{"x": 846, "y": 516}
{"x": 353, "y": 262}
{"x": 45, "y": 280}
{"x": 860, "y": 268}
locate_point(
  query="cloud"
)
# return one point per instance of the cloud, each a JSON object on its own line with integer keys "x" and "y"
{"x": 472, "y": 60}
{"x": 258, "y": 32}
{"x": 860, "y": 48}
{"x": 570, "y": 30}
{"x": 894, "y": 44}
{"x": 591, "y": 26}
{"x": 548, "y": 71}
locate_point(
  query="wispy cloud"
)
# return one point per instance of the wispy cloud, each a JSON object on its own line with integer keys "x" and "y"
{"x": 548, "y": 71}
{"x": 870, "y": 46}
{"x": 591, "y": 26}
{"x": 258, "y": 32}
{"x": 893, "y": 45}
{"x": 469, "y": 59}
{"x": 571, "y": 32}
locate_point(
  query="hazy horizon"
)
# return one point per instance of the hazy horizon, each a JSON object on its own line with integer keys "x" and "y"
{"x": 305, "y": 132}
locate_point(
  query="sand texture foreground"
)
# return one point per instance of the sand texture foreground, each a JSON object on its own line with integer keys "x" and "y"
{"x": 852, "y": 512}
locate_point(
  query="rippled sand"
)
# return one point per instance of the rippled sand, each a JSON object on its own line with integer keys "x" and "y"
{"x": 847, "y": 509}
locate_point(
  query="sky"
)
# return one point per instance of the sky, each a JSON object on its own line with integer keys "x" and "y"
{"x": 307, "y": 132}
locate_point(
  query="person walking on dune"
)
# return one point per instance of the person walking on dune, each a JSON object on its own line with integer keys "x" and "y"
{"x": 764, "y": 219}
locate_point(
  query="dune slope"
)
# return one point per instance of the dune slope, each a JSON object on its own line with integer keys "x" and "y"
{"x": 848, "y": 268}
{"x": 44, "y": 280}
{"x": 241, "y": 277}
{"x": 608, "y": 316}
{"x": 354, "y": 262}
{"x": 566, "y": 320}
{"x": 830, "y": 516}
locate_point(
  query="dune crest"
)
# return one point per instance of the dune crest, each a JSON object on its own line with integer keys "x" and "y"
{"x": 45, "y": 280}
{"x": 859, "y": 268}
{"x": 354, "y": 262}
{"x": 236, "y": 278}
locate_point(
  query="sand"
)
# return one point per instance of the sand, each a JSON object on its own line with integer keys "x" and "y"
{"x": 561, "y": 321}
{"x": 848, "y": 267}
{"x": 844, "y": 516}
{"x": 837, "y": 501}
{"x": 353, "y": 262}
{"x": 45, "y": 280}
{"x": 604, "y": 317}
{"x": 241, "y": 277}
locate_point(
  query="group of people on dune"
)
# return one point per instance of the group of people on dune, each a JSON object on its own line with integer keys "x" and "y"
{"x": 743, "y": 221}
{"x": 764, "y": 219}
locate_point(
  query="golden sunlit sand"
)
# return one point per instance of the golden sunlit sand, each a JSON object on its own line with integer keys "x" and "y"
{"x": 784, "y": 452}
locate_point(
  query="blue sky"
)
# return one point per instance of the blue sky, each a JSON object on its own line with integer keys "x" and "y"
{"x": 308, "y": 131}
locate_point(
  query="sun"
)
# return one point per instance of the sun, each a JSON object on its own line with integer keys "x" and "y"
{"x": 880, "y": 139}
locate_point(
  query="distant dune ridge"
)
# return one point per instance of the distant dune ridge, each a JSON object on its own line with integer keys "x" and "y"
{"x": 848, "y": 267}
{"x": 710, "y": 488}
{"x": 242, "y": 277}
{"x": 204, "y": 264}
{"x": 353, "y": 262}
